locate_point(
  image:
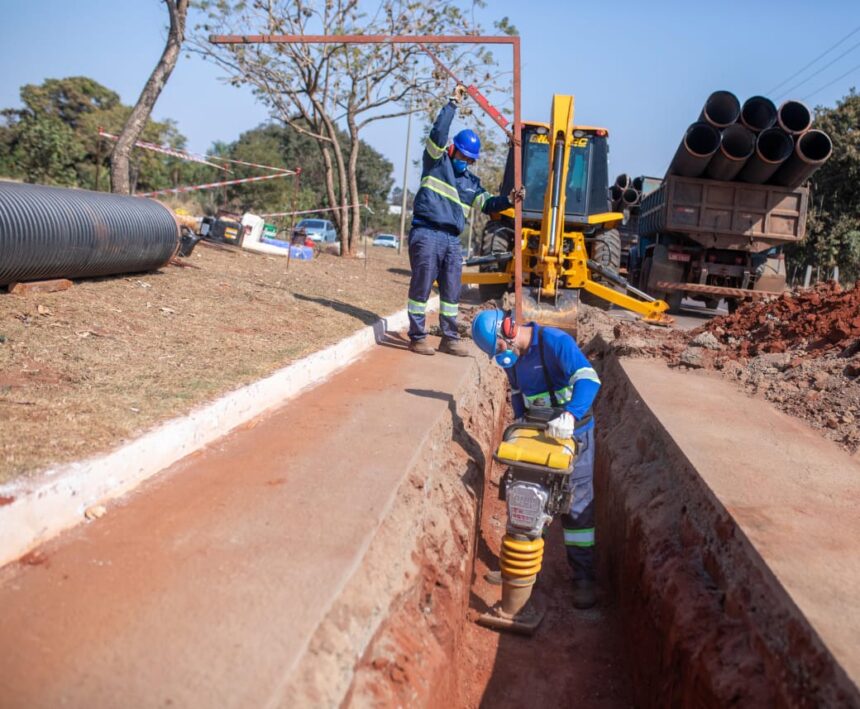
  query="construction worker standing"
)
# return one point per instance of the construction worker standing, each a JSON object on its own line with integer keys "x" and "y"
{"x": 552, "y": 380}
{"x": 445, "y": 199}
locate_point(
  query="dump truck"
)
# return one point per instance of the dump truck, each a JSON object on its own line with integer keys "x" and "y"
{"x": 709, "y": 240}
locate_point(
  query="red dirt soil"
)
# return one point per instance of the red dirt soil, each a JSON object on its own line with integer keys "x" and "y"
{"x": 812, "y": 322}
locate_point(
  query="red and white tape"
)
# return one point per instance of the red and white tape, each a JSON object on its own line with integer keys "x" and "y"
{"x": 312, "y": 211}
{"x": 165, "y": 150}
{"x": 213, "y": 185}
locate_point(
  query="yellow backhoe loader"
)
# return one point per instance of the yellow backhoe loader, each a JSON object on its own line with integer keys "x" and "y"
{"x": 569, "y": 242}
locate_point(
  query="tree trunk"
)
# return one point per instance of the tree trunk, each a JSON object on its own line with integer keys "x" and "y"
{"x": 354, "y": 197}
{"x": 346, "y": 242}
{"x": 119, "y": 167}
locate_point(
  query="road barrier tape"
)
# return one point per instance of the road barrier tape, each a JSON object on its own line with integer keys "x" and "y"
{"x": 213, "y": 185}
{"x": 165, "y": 150}
{"x": 312, "y": 211}
{"x": 185, "y": 155}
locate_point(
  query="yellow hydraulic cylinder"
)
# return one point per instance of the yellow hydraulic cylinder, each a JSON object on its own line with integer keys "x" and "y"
{"x": 519, "y": 561}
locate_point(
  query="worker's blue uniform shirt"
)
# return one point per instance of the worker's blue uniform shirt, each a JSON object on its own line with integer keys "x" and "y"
{"x": 570, "y": 374}
{"x": 445, "y": 199}
{"x": 443, "y": 203}
{"x": 575, "y": 384}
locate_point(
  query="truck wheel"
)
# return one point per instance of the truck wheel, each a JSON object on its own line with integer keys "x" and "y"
{"x": 673, "y": 299}
{"x": 497, "y": 237}
{"x": 644, "y": 274}
{"x": 607, "y": 252}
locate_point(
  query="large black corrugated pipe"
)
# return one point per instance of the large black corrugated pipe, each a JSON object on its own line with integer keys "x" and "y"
{"x": 622, "y": 181}
{"x": 811, "y": 151}
{"x": 758, "y": 113}
{"x": 700, "y": 143}
{"x": 721, "y": 109}
{"x": 637, "y": 183}
{"x": 736, "y": 147}
{"x": 615, "y": 193}
{"x": 772, "y": 148}
{"x": 52, "y": 232}
{"x": 794, "y": 117}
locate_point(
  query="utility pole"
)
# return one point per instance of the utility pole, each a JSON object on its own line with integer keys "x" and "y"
{"x": 405, "y": 174}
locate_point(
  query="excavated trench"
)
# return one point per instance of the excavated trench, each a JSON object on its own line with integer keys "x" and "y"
{"x": 688, "y": 614}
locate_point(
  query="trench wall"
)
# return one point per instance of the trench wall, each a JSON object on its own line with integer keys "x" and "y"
{"x": 707, "y": 623}
{"x": 411, "y": 590}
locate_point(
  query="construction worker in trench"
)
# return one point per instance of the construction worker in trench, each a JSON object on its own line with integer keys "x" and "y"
{"x": 445, "y": 200}
{"x": 546, "y": 368}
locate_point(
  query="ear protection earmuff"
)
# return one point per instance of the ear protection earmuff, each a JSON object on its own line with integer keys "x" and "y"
{"x": 509, "y": 326}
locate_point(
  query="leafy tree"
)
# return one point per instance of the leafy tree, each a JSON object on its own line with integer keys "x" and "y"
{"x": 833, "y": 229}
{"x": 320, "y": 90}
{"x": 54, "y": 138}
{"x": 277, "y": 145}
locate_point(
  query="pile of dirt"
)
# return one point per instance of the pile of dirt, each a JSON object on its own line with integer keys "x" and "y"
{"x": 84, "y": 369}
{"x": 809, "y": 323}
{"x": 801, "y": 351}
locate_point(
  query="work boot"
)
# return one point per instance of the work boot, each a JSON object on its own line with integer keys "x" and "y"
{"x": 421, "y": 347}
{"x": 584, "y": 593}
{"x": 453, "y": 347}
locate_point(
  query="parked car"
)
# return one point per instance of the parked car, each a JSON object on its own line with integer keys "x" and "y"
{"x": 318, "y": 230}
{"x": 388, "y": 240}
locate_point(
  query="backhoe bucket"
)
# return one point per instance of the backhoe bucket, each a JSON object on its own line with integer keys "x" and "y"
{"x": 560, "y": 311}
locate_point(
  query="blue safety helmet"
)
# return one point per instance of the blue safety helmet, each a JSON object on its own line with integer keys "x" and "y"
{"x": 468, "y": 143}
{"x": 485, "y": 329}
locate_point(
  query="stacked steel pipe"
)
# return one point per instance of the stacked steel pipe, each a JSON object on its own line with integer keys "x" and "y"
{"x": 755, "y": 142}
{"x": 626, "y": 193}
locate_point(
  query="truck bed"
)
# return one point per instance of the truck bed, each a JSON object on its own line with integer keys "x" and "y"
{"x": 726, "y": 215}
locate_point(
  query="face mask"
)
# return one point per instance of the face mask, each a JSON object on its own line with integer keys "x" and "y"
{"x": 459, "y": 166}
{"x": 506, "y": 359}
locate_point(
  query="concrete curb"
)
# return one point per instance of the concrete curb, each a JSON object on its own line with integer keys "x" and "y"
{"x": 35, "y": 510}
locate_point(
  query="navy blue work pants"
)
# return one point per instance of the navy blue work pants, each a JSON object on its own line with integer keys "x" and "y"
{"x": 434, "y": 256}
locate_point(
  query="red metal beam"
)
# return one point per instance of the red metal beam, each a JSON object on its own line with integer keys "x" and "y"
{"x": 512, "y": 40}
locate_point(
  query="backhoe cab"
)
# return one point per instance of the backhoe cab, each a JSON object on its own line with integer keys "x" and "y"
{"x": 569, "y": 241}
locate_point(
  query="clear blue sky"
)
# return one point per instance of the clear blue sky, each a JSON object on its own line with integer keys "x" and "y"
{"x": 642, "y": 69}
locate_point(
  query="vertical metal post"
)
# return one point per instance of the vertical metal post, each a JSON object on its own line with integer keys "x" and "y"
{"x": 518, "y": 185}
{"x": 405, "y": 174}
{"x": 807, "y": 276}
{"x": 835, "y": 276}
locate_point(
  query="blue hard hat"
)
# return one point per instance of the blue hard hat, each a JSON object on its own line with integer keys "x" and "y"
{"x": 468, "y": 143}
{"x": 485, "y": 330}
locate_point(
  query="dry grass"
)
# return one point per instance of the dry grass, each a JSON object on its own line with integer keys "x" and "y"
{"x": 84, "y": 369}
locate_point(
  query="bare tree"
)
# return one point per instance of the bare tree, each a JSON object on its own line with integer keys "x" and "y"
{"x": 332, "y": 92}
{"x": 119, "y": 162}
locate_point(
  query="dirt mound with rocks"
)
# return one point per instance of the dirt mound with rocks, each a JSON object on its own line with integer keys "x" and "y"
{"x": 808, "y": 323}
{"x": 801, "y": 351}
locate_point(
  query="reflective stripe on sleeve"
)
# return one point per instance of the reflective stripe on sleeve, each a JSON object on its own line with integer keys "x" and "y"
{"x": 480, "y": 201}
{"x": 585, "y": 373}
{"x": 433, "y": 150}
{"x": 579, "y": 537}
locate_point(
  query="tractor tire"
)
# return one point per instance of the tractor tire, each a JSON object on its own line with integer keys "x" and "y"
{"x": 497, "y": 237}
{"x": 607, "y": 252}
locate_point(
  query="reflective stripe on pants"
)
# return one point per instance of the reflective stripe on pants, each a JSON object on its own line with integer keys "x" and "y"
{"x": 434, "y": 256}
{"x": 578, "y": 523}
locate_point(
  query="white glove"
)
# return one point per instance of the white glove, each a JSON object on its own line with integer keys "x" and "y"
{"x": 561, "y": 426}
